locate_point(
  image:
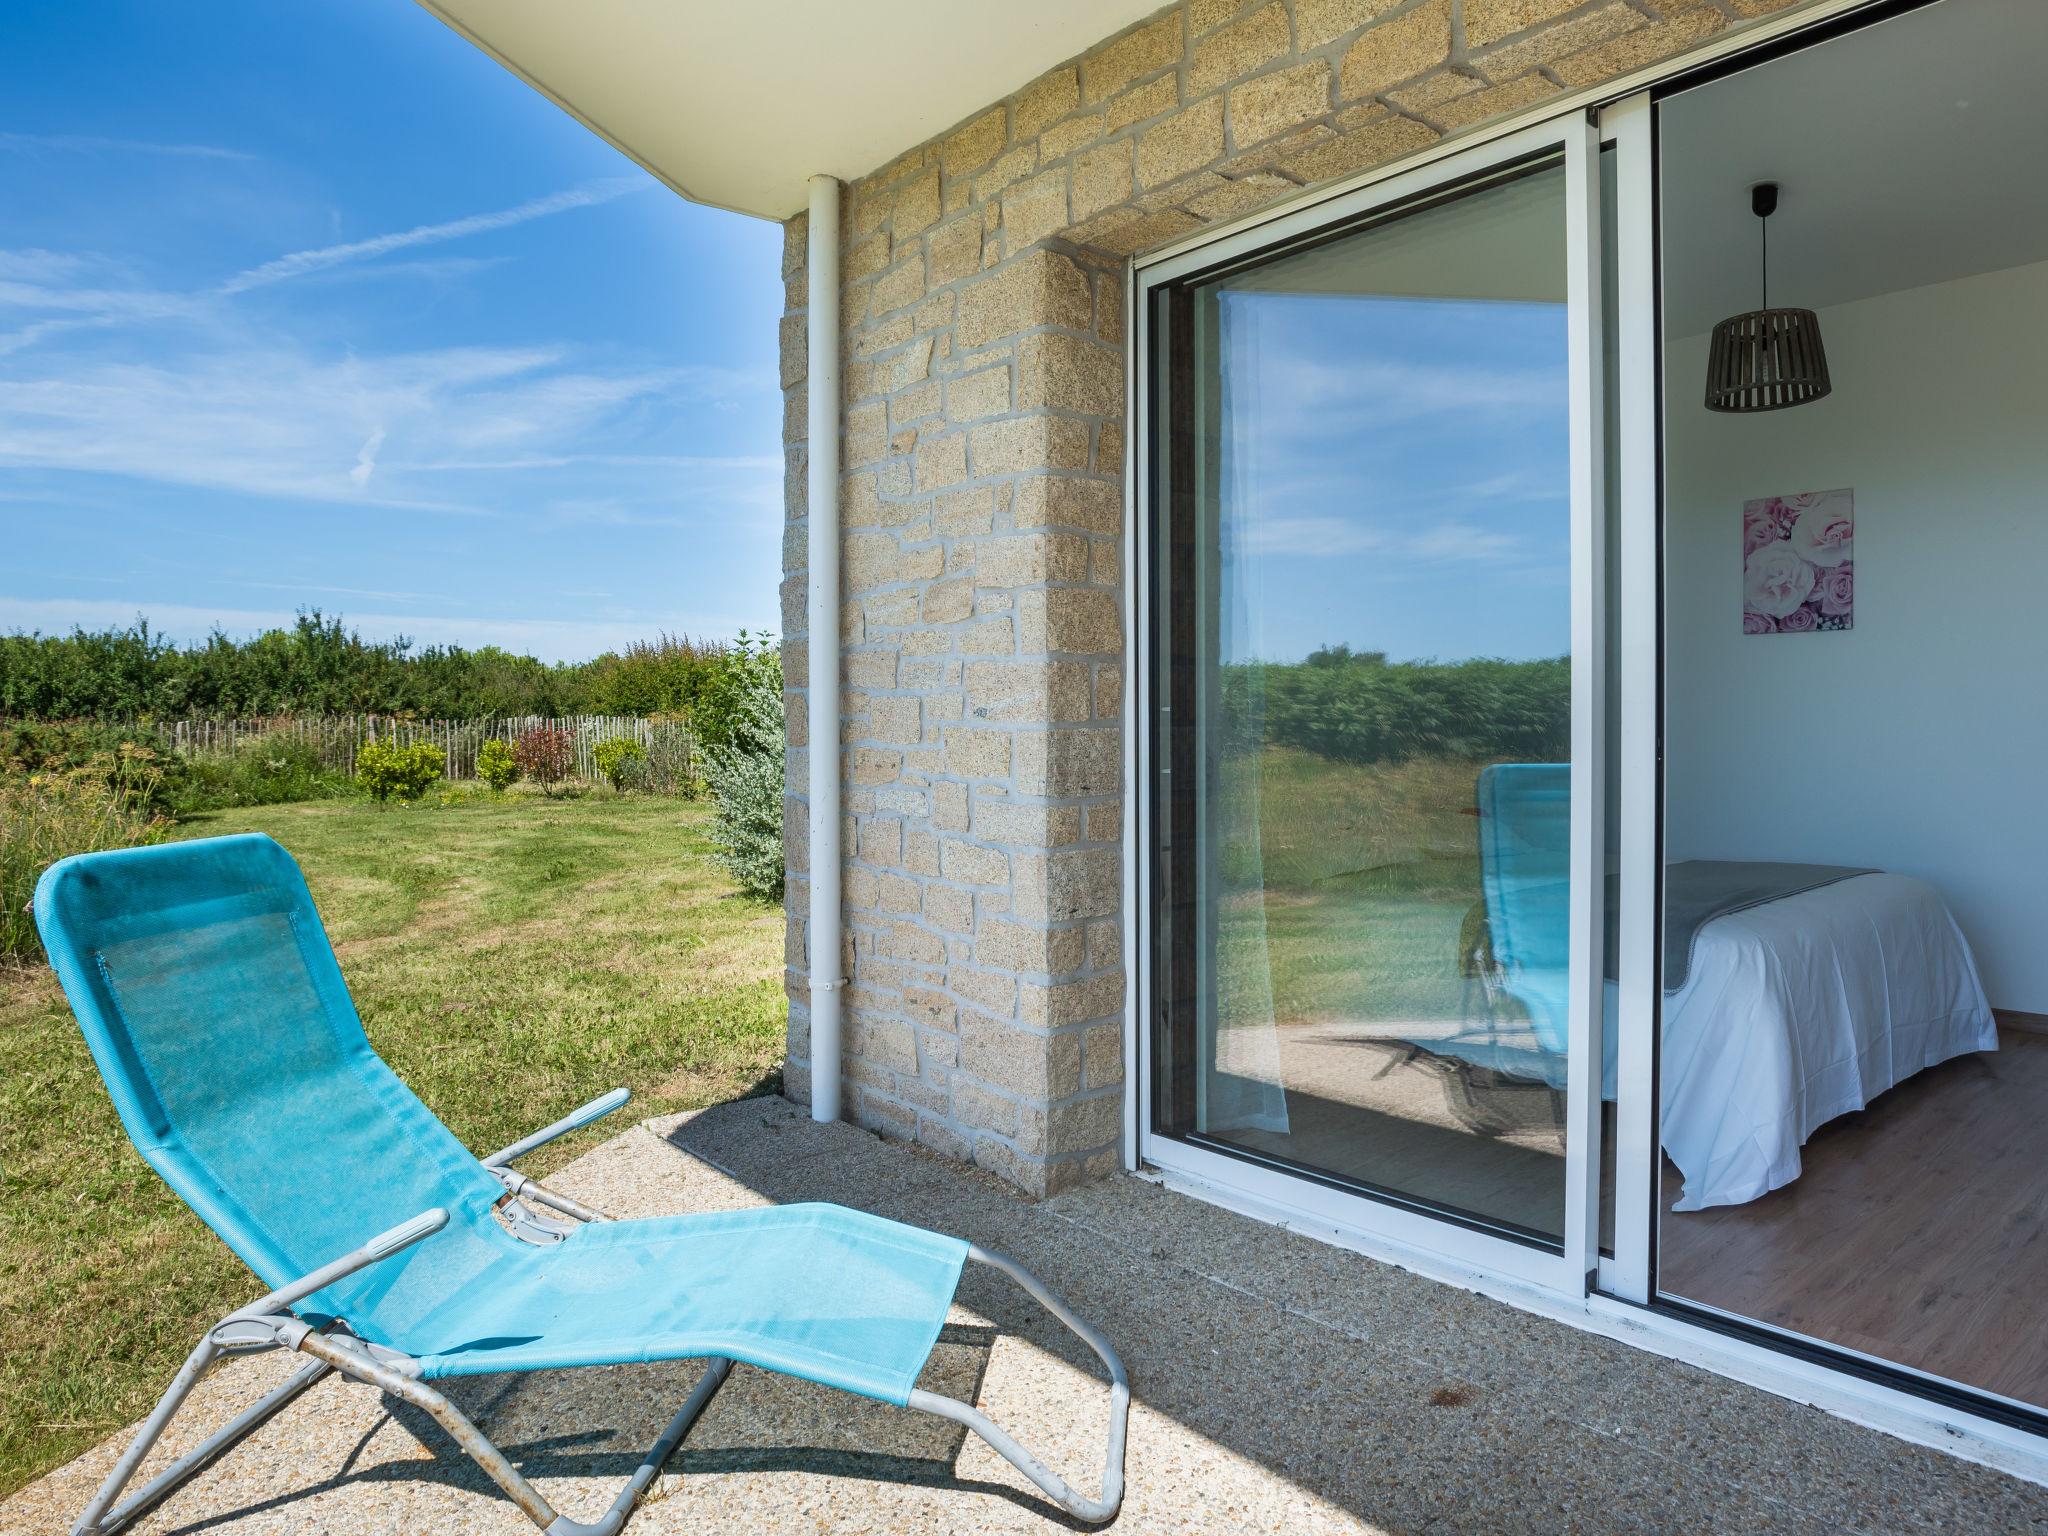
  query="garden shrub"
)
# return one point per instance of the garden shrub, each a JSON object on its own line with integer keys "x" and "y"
{"x": 50, "y": 815}
{"x": 745, "y": 774}
{"x": 673, "y": 763}
{"x": 496, "y": 766}
{"x": 60, "y": 747}
{"x": 267, "y": 770}
{"x": 546, "y": 756}
{"x": 613, "y": 757}
{"x": 715, "y": 714}
{"x": 635, "y": 775}
{"x": 386, "y": 769}
{"x": 665, "y": 676}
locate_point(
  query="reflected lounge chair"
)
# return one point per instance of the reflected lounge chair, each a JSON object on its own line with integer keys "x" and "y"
{"x": 1525, "y": 875}
{"x": 208, "y": 993}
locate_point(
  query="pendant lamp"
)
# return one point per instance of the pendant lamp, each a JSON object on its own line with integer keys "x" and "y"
{"x": 1767, "y": 359}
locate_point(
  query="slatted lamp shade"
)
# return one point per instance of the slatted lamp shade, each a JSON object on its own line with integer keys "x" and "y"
{"x": 1767, "y": 359}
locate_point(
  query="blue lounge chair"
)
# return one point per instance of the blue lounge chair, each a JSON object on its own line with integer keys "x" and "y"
{"x": 206, "y": 989}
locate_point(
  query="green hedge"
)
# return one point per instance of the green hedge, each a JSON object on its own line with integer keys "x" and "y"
{"x": 1358, "y": 707}
{"x": 320, "y": 666}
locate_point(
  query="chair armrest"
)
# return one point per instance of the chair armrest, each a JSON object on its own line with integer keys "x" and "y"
{"x": 575, "y": 1120}
{"x": 382, "y": 1246}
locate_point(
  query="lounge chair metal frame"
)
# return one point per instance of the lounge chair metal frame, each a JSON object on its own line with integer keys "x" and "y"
{"x": 530, "y": 1212}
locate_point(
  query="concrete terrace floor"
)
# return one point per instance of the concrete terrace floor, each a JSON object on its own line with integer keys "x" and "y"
{"x": 1281, "y": 1385}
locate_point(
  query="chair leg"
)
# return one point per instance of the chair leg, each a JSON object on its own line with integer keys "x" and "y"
{"x": 363, "y": 1367}
{"x": 101, "y": 1519}
{"x": 478, "y": 1446}
{"x": 1095, "y": 1511}
{"x": 613, "y": 1519}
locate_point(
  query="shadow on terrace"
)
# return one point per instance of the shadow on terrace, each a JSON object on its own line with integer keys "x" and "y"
{"x": 1281, "y": 1385}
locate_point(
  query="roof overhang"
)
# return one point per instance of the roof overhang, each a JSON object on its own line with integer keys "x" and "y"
{"x": 739, "y": 105}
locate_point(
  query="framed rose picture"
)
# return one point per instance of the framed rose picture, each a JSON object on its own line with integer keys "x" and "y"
{"x": 1799, "y": 563}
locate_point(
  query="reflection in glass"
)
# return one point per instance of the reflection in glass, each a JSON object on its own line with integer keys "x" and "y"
{"x": 1362, "y": 632}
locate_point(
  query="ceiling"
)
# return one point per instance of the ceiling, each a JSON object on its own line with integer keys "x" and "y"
{"x": 1909, "y": 153}
{"x": 739, "y": 105}
{"x": 1503, "y": 241}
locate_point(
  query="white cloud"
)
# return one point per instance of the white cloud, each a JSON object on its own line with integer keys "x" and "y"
{"x": 34, "y": 264}
{"x": 749, "y": 462}
{"x": 1512, "y": 488}
{"x": 1456, "y": 543}
{"x": 305, "y": 589}
{"x": 1332, "y": 536}
{"x": 366, "y": 459}
{"x": 1312, "y": 535}
{"x": 210, "y": 398}
{"x": 61, "y": 286}
{"x": 89, "y": 144}
{"x": 1313, "y": 395}
{"x": 300, "y": 262}
{"x": 274, "y": 421}
{"x": 76, "y": 292}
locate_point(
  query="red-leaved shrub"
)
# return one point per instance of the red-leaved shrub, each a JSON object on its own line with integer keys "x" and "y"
{"x": 546, "y": 756}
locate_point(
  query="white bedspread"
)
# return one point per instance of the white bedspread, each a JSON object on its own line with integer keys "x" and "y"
{"x": 1801, "y": 1010}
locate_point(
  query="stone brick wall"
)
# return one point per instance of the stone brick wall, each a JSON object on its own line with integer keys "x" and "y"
{"x": 982, "y": 499}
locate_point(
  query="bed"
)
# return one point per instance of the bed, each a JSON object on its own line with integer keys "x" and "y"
{"x": 1793, "y": 1010}
{"x": 1802, "y": 1009}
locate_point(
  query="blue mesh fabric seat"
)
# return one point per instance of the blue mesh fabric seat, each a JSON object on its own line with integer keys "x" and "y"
{"x": 1525, "y": 875}
{"x": 213, "y": 1005}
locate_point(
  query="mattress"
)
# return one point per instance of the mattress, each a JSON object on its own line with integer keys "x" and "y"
{"x": 1803, "y": 1009}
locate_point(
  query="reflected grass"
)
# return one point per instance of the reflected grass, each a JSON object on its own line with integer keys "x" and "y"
{"x": 1370, "y": 875}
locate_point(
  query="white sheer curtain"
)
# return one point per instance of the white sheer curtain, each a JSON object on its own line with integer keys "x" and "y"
{"x": 1242, "y": 1088}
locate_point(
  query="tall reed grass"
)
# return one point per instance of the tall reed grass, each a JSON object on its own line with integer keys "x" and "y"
{"x": 48, "y": 816}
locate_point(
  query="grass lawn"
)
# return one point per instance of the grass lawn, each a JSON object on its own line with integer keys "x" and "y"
{"x": 510, "y": 959}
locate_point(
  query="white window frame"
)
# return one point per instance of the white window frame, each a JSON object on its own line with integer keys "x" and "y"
{"x": 1627, "y": 125}
{"x": 1303, "y": 1201}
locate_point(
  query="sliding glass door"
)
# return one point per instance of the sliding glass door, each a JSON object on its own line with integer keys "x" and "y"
{"x": 1372, "y": 762}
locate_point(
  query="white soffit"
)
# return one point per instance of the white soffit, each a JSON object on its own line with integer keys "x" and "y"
{"x": 738, "y": 105}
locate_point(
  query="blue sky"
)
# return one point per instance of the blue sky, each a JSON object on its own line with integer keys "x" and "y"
{"x": 1395, "y": 477}
{"x": 314, "y": 305}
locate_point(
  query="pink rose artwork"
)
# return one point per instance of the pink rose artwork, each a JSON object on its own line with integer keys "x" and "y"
{"x": 1837, "y": 588}
{"x": 1799, "y": 563}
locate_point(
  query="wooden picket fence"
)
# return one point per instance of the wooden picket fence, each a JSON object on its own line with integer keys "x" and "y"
{"x": 671, "y": 749}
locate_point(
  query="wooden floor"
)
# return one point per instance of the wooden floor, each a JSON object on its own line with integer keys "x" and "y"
{"x": 1917, "y": 1232}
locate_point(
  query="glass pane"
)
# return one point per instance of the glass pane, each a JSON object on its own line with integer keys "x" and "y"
{"x": 1363, "y": 620}
{"x": 1852, "y": 1066}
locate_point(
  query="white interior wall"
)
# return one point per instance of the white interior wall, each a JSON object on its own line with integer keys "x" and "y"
{"x": 1918, "y": 741}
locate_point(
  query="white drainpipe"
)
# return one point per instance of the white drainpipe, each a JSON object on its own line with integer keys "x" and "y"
{"x": 822, "y": 391}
